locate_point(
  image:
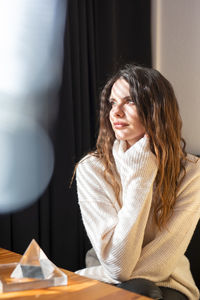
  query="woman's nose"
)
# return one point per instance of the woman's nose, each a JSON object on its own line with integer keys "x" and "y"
{"x": 118, "y": 111}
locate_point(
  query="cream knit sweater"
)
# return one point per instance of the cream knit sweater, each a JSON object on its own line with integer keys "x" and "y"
{"x": 124, "y": 237}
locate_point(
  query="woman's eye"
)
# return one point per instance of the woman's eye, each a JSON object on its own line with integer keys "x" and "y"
{"x": 112, "y": 103}
{"x": 127, "y": 101}
{"x": 130, "y": 101}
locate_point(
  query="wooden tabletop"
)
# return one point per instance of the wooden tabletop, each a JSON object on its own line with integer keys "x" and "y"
{"x": 78, "y": 287}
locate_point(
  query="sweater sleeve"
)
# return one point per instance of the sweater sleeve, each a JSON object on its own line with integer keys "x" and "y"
{"x": 160, "y": 257}
{"x": 117, "y": 233}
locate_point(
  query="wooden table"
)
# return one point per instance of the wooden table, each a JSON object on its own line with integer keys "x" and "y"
{"x": 78, "y": 288}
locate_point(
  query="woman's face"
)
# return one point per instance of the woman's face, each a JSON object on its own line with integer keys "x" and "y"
{"x": 123, "y": 114}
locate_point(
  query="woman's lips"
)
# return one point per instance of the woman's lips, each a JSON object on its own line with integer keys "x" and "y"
{"x": 120, "y": 125}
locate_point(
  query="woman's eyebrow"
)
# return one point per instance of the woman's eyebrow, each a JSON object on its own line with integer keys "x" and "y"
{"x": 124, "y": 98}
{"x": 127, "y": 97}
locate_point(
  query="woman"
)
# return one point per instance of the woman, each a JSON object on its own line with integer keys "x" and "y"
{"x": 139, "y": 191}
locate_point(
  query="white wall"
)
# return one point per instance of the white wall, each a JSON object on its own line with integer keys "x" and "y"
{"x": 176, "y": 54}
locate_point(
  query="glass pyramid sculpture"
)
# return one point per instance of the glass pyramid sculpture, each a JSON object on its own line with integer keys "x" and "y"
{"x": 33, "y": 271}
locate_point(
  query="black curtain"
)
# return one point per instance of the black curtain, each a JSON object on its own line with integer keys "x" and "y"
{"x": 100, "y": 36}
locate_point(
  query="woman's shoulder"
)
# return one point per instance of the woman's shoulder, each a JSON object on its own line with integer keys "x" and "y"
{"x": 90, "y": 170}
{"x": 192, "y": 164}
{"x": 192, "y": 170}
{"x": 188, "y": 192}
{"x": 91, "y": 161}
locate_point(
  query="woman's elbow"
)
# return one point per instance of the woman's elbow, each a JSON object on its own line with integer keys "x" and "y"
{"x": 120, "y": 275}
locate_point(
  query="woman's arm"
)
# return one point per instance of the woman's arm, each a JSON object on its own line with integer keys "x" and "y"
{"x": 117, "y": 233}
{"x": 160, "y": 257}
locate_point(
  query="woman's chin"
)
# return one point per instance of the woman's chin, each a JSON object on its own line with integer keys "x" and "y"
{"x": 119, "y": 137}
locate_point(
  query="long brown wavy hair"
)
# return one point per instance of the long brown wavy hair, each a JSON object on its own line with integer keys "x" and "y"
{"x": 159, "y": 113}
